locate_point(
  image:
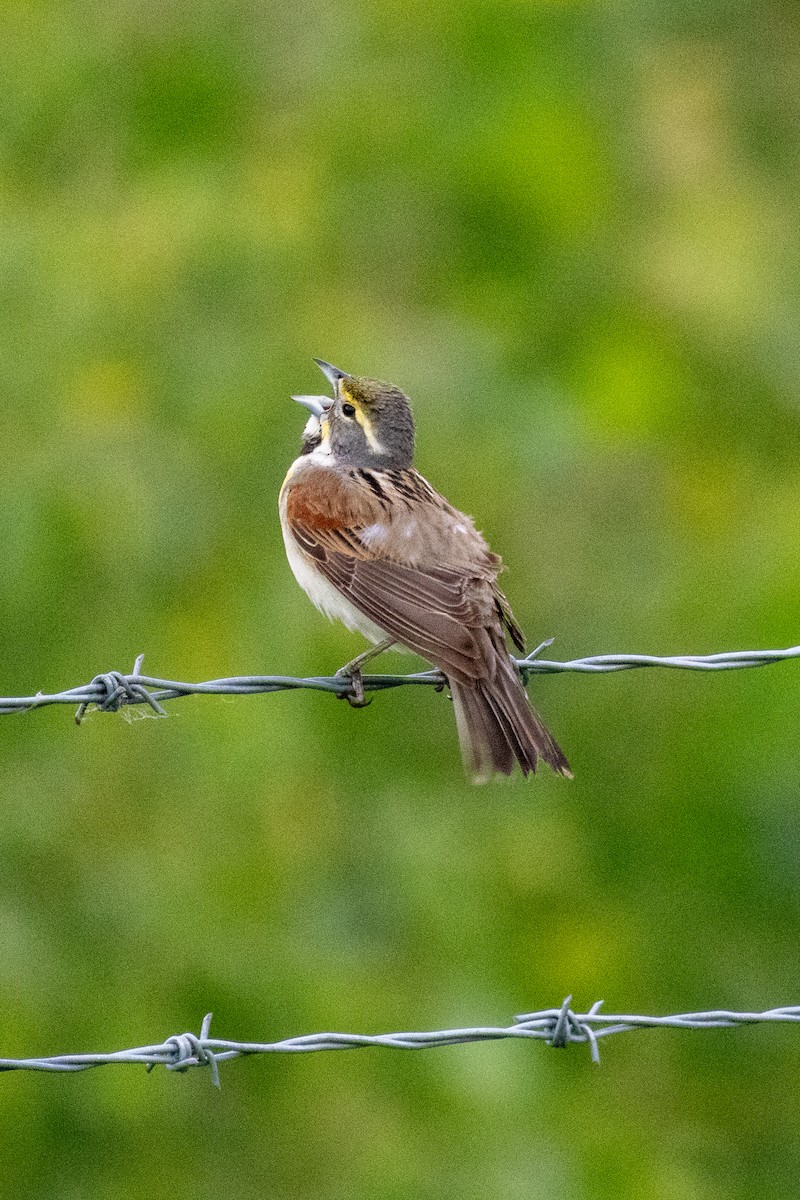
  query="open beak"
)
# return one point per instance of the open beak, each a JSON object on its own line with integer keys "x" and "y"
{"x": 318, "y": 405}
{"x": 331, "y": 373}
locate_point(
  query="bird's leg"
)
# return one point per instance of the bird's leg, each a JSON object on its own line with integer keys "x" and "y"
{"x": 352, "y": 671}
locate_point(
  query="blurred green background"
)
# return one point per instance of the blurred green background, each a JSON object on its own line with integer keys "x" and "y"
{"x": 570, "y": 231}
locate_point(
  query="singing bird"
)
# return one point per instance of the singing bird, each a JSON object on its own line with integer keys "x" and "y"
{"x": 375, "y": 546}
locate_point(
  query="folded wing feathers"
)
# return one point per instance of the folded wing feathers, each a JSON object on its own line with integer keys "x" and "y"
{"x": 452, "y": 615}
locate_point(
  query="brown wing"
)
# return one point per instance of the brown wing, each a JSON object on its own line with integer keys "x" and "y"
{"x": 449, "y": 612}
{"x": 509, "y": 620}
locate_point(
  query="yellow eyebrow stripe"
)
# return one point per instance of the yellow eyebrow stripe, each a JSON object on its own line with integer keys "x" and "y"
{"x": 369, "y": 432}
{"x": 362, "y": 418}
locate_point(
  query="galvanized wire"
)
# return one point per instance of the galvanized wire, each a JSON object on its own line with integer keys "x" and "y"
{"x": 558, "y": 1027}
{"x": 113, "y": 690}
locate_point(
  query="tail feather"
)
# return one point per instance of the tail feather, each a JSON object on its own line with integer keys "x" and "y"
{"x": 497, "y": 726}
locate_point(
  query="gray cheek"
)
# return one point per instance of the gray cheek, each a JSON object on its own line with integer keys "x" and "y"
{"x": 347, "y": 437}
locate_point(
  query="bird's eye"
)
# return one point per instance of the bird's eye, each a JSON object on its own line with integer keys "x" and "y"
{"x": 349, "y": 410}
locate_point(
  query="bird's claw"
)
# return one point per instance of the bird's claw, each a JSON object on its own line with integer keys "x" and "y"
{"x": 355, "y": 697}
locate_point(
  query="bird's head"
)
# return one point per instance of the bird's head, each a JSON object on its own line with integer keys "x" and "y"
{"x": 366, "y": 424}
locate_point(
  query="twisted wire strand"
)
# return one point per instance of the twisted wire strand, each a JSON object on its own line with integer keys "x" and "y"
{"x": 113, "y": 690}
{"x": 557, "y": 1027}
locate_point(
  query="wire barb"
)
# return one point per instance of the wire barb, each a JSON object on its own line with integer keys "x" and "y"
{"x": 525, "y": 665}
{"x": 111, "y": 690}
{"x": 192, "y": 1051}
{"x": 115, "y": 690}
{"x": 569, "y": 1028}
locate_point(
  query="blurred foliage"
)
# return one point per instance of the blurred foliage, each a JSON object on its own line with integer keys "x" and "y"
{"x": 570, "y": 231}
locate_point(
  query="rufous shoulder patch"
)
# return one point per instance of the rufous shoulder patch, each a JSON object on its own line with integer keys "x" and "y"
{"x": 322, "y": 498}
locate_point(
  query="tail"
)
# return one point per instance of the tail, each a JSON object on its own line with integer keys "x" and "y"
{"x": 497, "y": 726}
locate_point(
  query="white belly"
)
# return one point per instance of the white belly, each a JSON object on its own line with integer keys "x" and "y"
{"x": 321, "y": 592}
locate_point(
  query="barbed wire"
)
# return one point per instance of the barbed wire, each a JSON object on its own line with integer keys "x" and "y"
{"x": 558, "y": 1027}
{"x": 113, "y": 690}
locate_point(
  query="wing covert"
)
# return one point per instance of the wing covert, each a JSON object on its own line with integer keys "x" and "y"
{"x": 446, "y": 613}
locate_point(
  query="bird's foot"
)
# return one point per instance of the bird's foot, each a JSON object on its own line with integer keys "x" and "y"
{"x": 355, "y": 697}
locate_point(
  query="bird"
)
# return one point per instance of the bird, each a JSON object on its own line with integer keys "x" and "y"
{"x": 375, "y": 546}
